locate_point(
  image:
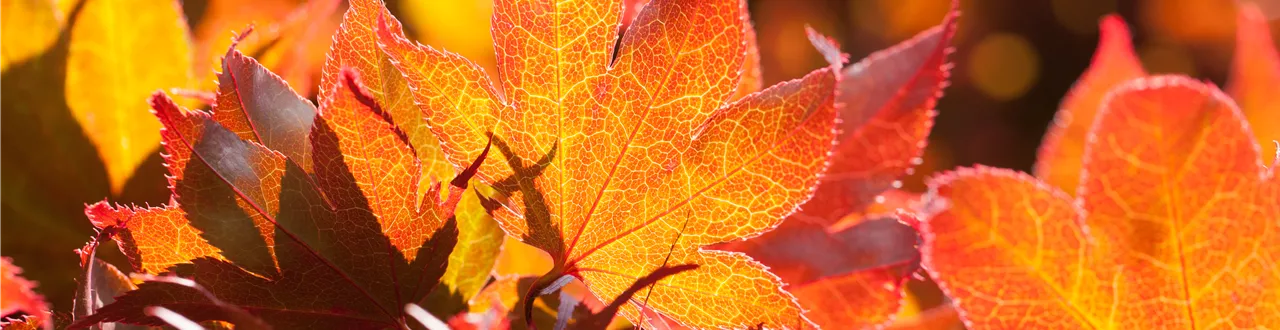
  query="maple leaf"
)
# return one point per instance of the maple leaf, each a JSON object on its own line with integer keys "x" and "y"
{"x": 1171, "y": 227}
{"x": 252, "y": 103}
{"x": 354, "y": 48}
{"x": 888, "y": 110}
{"x": 29, "y": 28}
{"x": 343, "y": 242}
{"x": 889, "y": 100}
{"x": 1255, "y": 74}
{"x": 55, "y": 148}
{"x": 1254, "y": 77}
{"x": 17, "y": 294}
{"x": 617, "y": 165}
{"x": 851, "y": 278}
{"x": 99, "y": 283}
{"x": 51, "y": 167}
{"x": 124, "y": 42}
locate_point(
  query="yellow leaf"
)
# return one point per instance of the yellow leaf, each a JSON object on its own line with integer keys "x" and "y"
{"x": 122, "y": 51}
{"x": 27, "y": 28}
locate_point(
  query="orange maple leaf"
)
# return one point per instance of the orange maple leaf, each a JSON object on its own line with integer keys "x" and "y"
{"x": 252, "y": 103}
{"x": 17, "y": 294}
{"x": 304, "y": 218}
{"x": 1255, "y": 77}
{"x": 889, "y": 100}
{"x": 1172, "y": 225}
{"x": 354, "y": 47}
{"x": 617, "y": 165}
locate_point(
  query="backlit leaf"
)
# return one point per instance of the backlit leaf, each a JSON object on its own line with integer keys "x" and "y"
{"x": 17, "y": 294}
{"x": 99, "y": 282}
{"x": 1171, "y": 227}
{"x": 888, "y": 110}
{"x": 851, "y": 278}
{"x": 479, "y": 243}
{"x": 355, "y": 46}
{"x": 344, "y": 248}
{"x": 121, "y": 51}
{"x": 1058, "y": 161}
{"x": 601, "y": 319}
{"x": 259, "y": 106}
{"x": 618, "y": 166}
{"x": 50, "y": 165}
{"x": 752, "y": 78}
{"x": 1255, "y": 74}
{"x": 153, "y": 238}
{"x": 29, "y": 28}
{"x": 302, "y": 43}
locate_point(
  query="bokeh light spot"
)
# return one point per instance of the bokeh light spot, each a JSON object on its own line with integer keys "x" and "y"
{"x": 1081, "y": 17}
{"x": 1003, "y": 65}
{"x": 898, "y": 20}
{"x": 1193, "y": 21}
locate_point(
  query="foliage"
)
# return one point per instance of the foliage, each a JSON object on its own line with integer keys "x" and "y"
{"x": 335, "y": 173}
{"x": 1167, "y": 224}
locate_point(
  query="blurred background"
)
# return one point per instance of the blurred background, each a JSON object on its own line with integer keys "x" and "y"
{"x": 1015, "y": 61}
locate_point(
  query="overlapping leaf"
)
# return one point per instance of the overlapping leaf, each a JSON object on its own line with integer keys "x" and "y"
{"x": 619, "y": 165}
{"x": 50, "y": 166}
{"x": 1171, "y": 227}
{"x": 889, "y": 100}
{"x": 17, "y": 294}
{"x": 252, "y": 103}
{"x": 77, "y": 76}
{"x": 1255, "y": 74}
{"x": 848, "y": 278}
{"x": 355, "y": 47}
{"x": 1255, "y": 78}
{"x": 888, "y": 110}
{"x": 30, "y": 28}
{"x": 301, "y": 224}
{"x": 120, "y": 52}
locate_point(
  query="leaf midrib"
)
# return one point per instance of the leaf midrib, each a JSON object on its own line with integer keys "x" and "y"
{"x": 187, "y": 143}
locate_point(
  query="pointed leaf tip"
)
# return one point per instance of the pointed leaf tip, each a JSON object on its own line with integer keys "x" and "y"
{"x": 235, "y": 41}
{"x": 1114, "y": 62}
{"x": 96, "y": 214}
{"x": 19, "y": 294}
{"x": 163, "y": 107}
{"x": 829, "y": 48}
